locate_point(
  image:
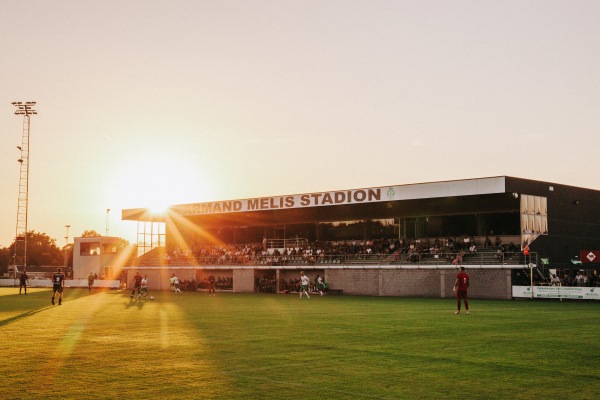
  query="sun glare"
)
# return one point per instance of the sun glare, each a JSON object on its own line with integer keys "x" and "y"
{"x": 157, "y": 186}
{"x": 158, "y": 208}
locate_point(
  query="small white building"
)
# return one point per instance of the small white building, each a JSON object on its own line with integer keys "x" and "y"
{"x": 97, "y": 254}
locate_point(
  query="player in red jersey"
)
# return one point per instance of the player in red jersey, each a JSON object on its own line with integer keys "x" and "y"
{"x": 461, "y": 287}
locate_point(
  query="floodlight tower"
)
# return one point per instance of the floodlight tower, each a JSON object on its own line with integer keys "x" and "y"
{"x": 20, "y": 253}
{"x": 107, "y": 214}
{"x": 66, "y": 245}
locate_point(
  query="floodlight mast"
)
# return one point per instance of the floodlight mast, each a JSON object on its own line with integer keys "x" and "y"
{"x": 66, "y": 245}
{"x": 20, "y": 251}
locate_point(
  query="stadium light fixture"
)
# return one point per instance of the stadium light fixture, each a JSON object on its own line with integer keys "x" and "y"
{"x": 24, "y": 108}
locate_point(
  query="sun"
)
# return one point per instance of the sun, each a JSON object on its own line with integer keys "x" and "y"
{"x": 157, "y": 185}
{"x": 158, "y": 208}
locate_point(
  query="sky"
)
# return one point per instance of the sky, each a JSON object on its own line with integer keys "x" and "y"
{"x": 153, "y": 103}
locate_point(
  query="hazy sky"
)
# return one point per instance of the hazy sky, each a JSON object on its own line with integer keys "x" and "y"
{"x": 144, "y": 103}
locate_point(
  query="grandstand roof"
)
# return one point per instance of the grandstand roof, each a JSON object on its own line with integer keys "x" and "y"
{"x": 381, "y": 194}
{"x": 338, "y": 197}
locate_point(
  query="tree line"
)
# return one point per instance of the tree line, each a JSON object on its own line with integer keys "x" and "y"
{"x": 43, "y": 250}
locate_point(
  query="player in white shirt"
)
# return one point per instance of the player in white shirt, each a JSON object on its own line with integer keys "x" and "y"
{"x": 304, "y": 282}
{"x": 175, "y": 284}
{"x": 144, "y": 287}
{"x": 320, "y": 285}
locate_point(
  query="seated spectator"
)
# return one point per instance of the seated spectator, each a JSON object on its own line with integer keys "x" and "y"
{"x": 554, "y": 280}
{"x": 458, "y": 259}
{"x": 500, "y": 255}
{"x": 473, "y": 248}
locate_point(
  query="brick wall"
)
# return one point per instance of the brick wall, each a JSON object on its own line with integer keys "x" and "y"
{"x": 354, "y": 281}
{"x": 411, "y": 283}
{"x": 485, "y": 283}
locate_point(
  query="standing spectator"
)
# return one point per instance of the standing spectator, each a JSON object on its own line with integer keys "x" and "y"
{"x": 23, "y": 281}
{"x": 304, "y": 281}
{"x": 461, "y": 286}
{"x": 58, "y": 283}
{"x": 487, "y": 242}
{"x": 579, "y": 279}
{"x": 90, "y": 281}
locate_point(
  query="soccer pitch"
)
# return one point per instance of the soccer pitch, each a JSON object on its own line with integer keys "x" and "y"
{"x": 103, "y": 345}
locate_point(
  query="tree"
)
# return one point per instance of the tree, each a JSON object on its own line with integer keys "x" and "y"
{"x": 68, "y": 250}
{"x": 90, "y": 233}
{"x": 5, "y": 259}
{"x": 41, "y": 250}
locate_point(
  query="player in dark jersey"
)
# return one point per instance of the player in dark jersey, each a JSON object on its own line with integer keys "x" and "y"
{"x": 137, "y": 284}
{"x": 461, "y": 286}
{"x": 211, "y": 285}
{"x": 23, "y": 280}
{"x": 91, "y": 279}
{"x": 58, "y": 283}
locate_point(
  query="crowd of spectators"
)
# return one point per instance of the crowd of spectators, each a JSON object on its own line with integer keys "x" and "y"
{"x": 579, "y": 280}
{"x": 265, "y": 284}
{"x": 453, "y": 249}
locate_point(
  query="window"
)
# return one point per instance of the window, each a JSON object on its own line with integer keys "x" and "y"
{"x": 89, "y": 249}
{"x": 109, "y": 248}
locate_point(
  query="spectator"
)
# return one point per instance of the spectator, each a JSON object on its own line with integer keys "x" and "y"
{"x": 473, "y": 248}
{"x": 579, "y": 279}
{"x": 487, "y": 242}
{"x": 500, "y": 255}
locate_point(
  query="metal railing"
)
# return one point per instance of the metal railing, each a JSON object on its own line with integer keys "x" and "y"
{"x": 506, "y": 259}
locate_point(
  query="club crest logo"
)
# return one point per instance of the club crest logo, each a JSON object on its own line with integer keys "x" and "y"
{"x": 391, "y": 193}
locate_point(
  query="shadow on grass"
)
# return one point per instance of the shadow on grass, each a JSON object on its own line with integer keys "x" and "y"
{"x": 23, "y": 315}
{"x": 135, "y": 303}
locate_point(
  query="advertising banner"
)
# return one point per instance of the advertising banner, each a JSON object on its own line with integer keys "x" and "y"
{"x": 589, "y": 256}
{"x": 556, "y": 292}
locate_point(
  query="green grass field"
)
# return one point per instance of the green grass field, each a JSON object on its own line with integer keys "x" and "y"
{"x": 258, "y": 346}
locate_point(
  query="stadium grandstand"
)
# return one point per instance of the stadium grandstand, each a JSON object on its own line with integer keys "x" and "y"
{"x": 403, "y": 240}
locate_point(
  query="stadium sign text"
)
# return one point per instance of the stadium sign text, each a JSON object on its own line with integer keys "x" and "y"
{"x": 288, "y": 202}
